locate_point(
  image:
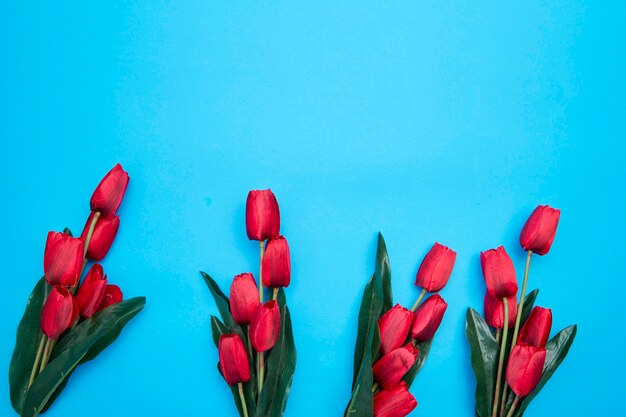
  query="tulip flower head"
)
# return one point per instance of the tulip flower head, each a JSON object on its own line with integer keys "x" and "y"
{"x": 436, "y": 268}
{"x": 394, "y": 327}
{"x": 59, "y": 312}
{"x": 540, "y": 228}
{"x": 536, "y": 330}
{"x": 244, "y": 298}
{"x": 389, "y": 370}
{"x": 112, "y": 295}
{"x": 524, "y": 368}
{"x": 91, "y": 292}
{"x": 265, "y": 326}
{"x": 494, "y": 311}
{"x": 499, "y": 273}
{"x": 262, "y": 215}
{"x": 428, "y": 317}
{"x": 276, "y": 263}
{"x": 395, "y": 402}
{"x": 234, "y": 362}
{"x": 108, "y": 195}
{"x": 63, "y": 259}
{"x": 103, "y": 235}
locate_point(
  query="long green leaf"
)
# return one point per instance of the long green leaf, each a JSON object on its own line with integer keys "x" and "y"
{"x": 221, "y": 300}
{"x": 484, "y": 356}
{"x": 362, "y": 399}
{"x": 423, "y": 348}
{"x": 382, "y": 271}
{"x": 529, "y": 303}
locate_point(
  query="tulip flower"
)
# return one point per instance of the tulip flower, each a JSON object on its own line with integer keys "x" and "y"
{"x": 499, "y": 273}
{"x": 494, "y": 311}
{"x": 112, "y": 295}
{"x": 63, "y": 259}
{"x": 103, "y": 235}
{"x": 525, "y": 368}
{"x": 389, "y": 370}
{"x": 91, "y": 291}
{"x": 265, "y": 326}
{"x": 436, "y": 268}
{"x": 234, "y": 362}
{"x": 108, "y": 195}
{"x": 394, "y": 327}
{"x": 244, "y": 298}
{"x": 536, "y": 330}
{"x": 538, "y": 232}
{"x": 428, "y": 317}
{"x": 59, "y": 312}
{"x": 276, "y": 263}
{"x": 395, "y": 402}
{"x": 262, "y": 215}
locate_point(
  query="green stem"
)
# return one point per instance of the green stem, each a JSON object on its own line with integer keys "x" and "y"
{"x": 501, "y": 361}
{"x": 520, "y": 306}
{"x": 259, "y": 355}
{"x": 34, "y": 372}
{"x": 374, "y": 387}
{"x": 275, "y": 293}
{"x": 92, "y": 227}
{"x": 419, "y": 300}
{"x": 513, "y": 406}
{"x": 260, "y": 370}
{"x": 46, "y": 354}
{"x": 262, "y": 247}
{"x": 498, "y": 335}
{"x": 505, "y": 399}
{"x": 242, "y": 397}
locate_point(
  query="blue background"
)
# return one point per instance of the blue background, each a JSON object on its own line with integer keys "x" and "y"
{"x": 425, "y": 121}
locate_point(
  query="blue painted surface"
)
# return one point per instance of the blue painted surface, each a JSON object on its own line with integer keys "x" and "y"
{"x": 428, "y": 122}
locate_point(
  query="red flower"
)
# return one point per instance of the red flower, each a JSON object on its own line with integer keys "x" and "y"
{"x": 91, "y": 291}
{"x": 396, "y": 402}
{"x": 434, "y": 272}
{"x": 536, "y": 330}
{"x": 276, "y": 263}
{"x": 233, "y": 359}
{"x": 63, "y": 259}
{"x": 499, "y": 273}
{"x": 244, "y": 298}
{"x": 525, "y": 368}
{"x": 262, "y": 215}
{"x": 394, "y": 327}
{"x": 428, "y": 317}
{"x": 108, "y": 195}
{"x": 539, "y": 230}
{"x": 389, "y": 370}
{"x": 494, "y": 311}
{"x": 59, "y": 312}
{"x": 112, "y": 295}
{"x": 265, "y": 326}
{"x": 103, "y": 235}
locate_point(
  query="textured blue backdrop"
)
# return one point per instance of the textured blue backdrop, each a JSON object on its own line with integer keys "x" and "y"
{"x": 424, "y": 121}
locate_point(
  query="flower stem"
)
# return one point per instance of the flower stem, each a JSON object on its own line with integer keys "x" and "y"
{"x": 275, "y": 293}
{"x": 501, "y": 360}
{"x": 513, "y": 407}
{"x": 505, "y": 399}
{"x": 262, "y": 247}
{"x": 46, "y": 354}
{"x": 520, "y": 306}
{"x": 92, "y": 227}
{"x": 259, "y": 355}
{"x": 498, "y": 335}
{"x": 260, "y": 370}
{"x": 242, "y": 397}
{"x": 419, "y": 300}
{"x": 34, "y": 372}
{"x": 374, "y": 387}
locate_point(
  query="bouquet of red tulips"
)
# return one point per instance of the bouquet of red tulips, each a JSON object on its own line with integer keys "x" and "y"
{"x": 510, "y": 372}
{"x": 68, "y": 322}
{"x": 392, "y": 341}
{"x": 257, "y": 353}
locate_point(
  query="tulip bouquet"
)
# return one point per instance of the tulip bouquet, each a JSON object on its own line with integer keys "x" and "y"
{"x": 68, "y": 322}
{"x": 510, "y": 372}
{"x": 257, "y": 353}
{"x": 392, "y": 341}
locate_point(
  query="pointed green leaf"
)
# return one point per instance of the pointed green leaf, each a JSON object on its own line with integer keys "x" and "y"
{"x": 382, "y": 271}
{"x": 423, "y": 348}
{"x": 221, "y": 300}
{"x": 362, "y": 399}
{"x": 484, "y": 356}
{"x": 529, "y": 302}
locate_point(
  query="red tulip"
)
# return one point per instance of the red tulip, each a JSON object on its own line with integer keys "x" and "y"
{"x": 525, "y": 368}
{"x": 59, "y": 312}
{"x": 91, "y": 291}
{"x": 108, "y": 195}
{"x": 499, "y": 273}
{"x": 539, "y": 230}
{"x": 389, "y": 370}
{"x": 428, "y": 317}
{"x": 244, "y": 298}
{"x": 265, "y": 326}
{"x": 112, "y": 295}
{"x": 103, "y": 235}
{"x": 276, "y": 263}
{"x": 233, "y": 359}
{"x": 394, "y": 327}
{"x": 262, "y": 215}
{"x": 63, "y": 259}
{"x": 434, "y": 272}
{"x": 396, "y": 402}
{"x": 536, "y": 330}
{"x": 494, "y": 311}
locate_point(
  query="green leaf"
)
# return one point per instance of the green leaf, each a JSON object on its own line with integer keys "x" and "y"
{"x": 362, "y": 399}
{"x": 26, "y": 346}
{"x": 222, "y": 302}
{"x": 382, "y": 271}
{"x": 529, "y": 302}
{"x": 423, "y": 348}
{"x": 281, "y": 365}
{"x": 556, "y": 351}
{"x": 484, "y": 357}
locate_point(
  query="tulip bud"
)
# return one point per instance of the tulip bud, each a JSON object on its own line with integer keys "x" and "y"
{"x": 539, "y": 230}
{"x": 396, "y": 402}
{"x": 59, "y": 312}
{"x": 428, "y": 317}
{"x": 276, "y": 263}
{"x": 91, "y": 291}
{"x": 536, "y": 330}
{"x": 394, "y": 327}
{"x": 494, "y": 311}
{"x": 525, "y": 368}
{"x": 112, "y": 295}
{"x": 108, "y": 195}
{"x": 103, "y": 235}
{"x": 233, "y": 359}
{"x": 244, "y": 298}
{"x": 390, "y": 369}
{"x": 262, "y": 215}
{"x": 499, "y": 273}
{"x": 434, "y": 271}
{"x": 265, "y": 326}
{"x": 63, "y": 259}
